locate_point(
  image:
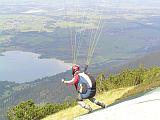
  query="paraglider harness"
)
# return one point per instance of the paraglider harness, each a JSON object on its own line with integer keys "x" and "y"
{"x": 83, "y": 86}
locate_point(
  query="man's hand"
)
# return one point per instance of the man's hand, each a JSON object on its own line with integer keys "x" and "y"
{"x": 63, "y": 80}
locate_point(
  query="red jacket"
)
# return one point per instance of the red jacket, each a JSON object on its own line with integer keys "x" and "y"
{"x": 76, "y": 81}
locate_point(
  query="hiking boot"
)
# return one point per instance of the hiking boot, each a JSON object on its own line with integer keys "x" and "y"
{"x": 101, "y": 104}
{"x": 88, "y": 108}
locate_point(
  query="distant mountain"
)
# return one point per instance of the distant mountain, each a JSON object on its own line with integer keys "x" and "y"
{"x": 147, "y": 60}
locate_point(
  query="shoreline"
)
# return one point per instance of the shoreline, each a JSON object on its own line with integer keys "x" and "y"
{"x": 37, "y": 67}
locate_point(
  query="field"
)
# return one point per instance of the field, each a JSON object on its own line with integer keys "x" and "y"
{"x": 124, "y": 34}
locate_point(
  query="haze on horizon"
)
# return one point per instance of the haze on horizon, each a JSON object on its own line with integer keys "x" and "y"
{"x": 108, "y": 3}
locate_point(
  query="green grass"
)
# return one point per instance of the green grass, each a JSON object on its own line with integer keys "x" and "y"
{"x": 128, "y": 84}
{"x": 141, "y": 89}
{"x": 23, "y": 23}
{"x": 64, "y": 24}
{"x": 111, "y": 97}
{"x": 27, "y": 22}
{"x": 70, "y": 113}
{"x": 117, "y": 88}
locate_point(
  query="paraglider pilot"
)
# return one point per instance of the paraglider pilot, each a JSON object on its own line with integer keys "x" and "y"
{"x": 85, "y": 84}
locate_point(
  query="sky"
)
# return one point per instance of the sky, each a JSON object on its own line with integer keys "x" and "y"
{"x": 123, "y": 3}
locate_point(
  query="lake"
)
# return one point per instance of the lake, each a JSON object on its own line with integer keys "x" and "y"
{"x": 21, "y": 66}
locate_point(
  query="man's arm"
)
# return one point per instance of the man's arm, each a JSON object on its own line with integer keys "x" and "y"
{"x": 68, "y": 82}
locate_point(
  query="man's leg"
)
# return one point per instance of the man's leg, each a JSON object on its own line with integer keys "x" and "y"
{"x": 83, "y": 104}
{"x": 93, "y": 100}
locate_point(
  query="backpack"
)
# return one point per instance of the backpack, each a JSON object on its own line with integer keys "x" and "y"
{"x": 86, "y": 82}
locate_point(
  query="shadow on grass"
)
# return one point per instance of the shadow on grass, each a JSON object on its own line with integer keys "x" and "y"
{"x": 123, "y": 98}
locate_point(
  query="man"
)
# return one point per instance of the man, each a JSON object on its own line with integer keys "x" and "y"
{"x": 86, "y": 87}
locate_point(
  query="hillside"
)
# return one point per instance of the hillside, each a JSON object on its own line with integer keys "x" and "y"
{"x": 144, "y": 107}
{"x": 148, "y": 60}
{"x": 43, "y": 90}
{"x": 111, "y": 89}
{"x": 50, "y": 89}
{"x": 71, "y": 113}
{"x": 115, "y": 100}
{"x": 115, "y": 95}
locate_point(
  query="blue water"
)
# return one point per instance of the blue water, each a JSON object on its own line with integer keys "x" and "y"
{"x": 21, "y": 66}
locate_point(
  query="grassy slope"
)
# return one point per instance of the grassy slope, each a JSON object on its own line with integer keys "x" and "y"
{"x": 107, "y": 97}
{"x": 111, "y": 97}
